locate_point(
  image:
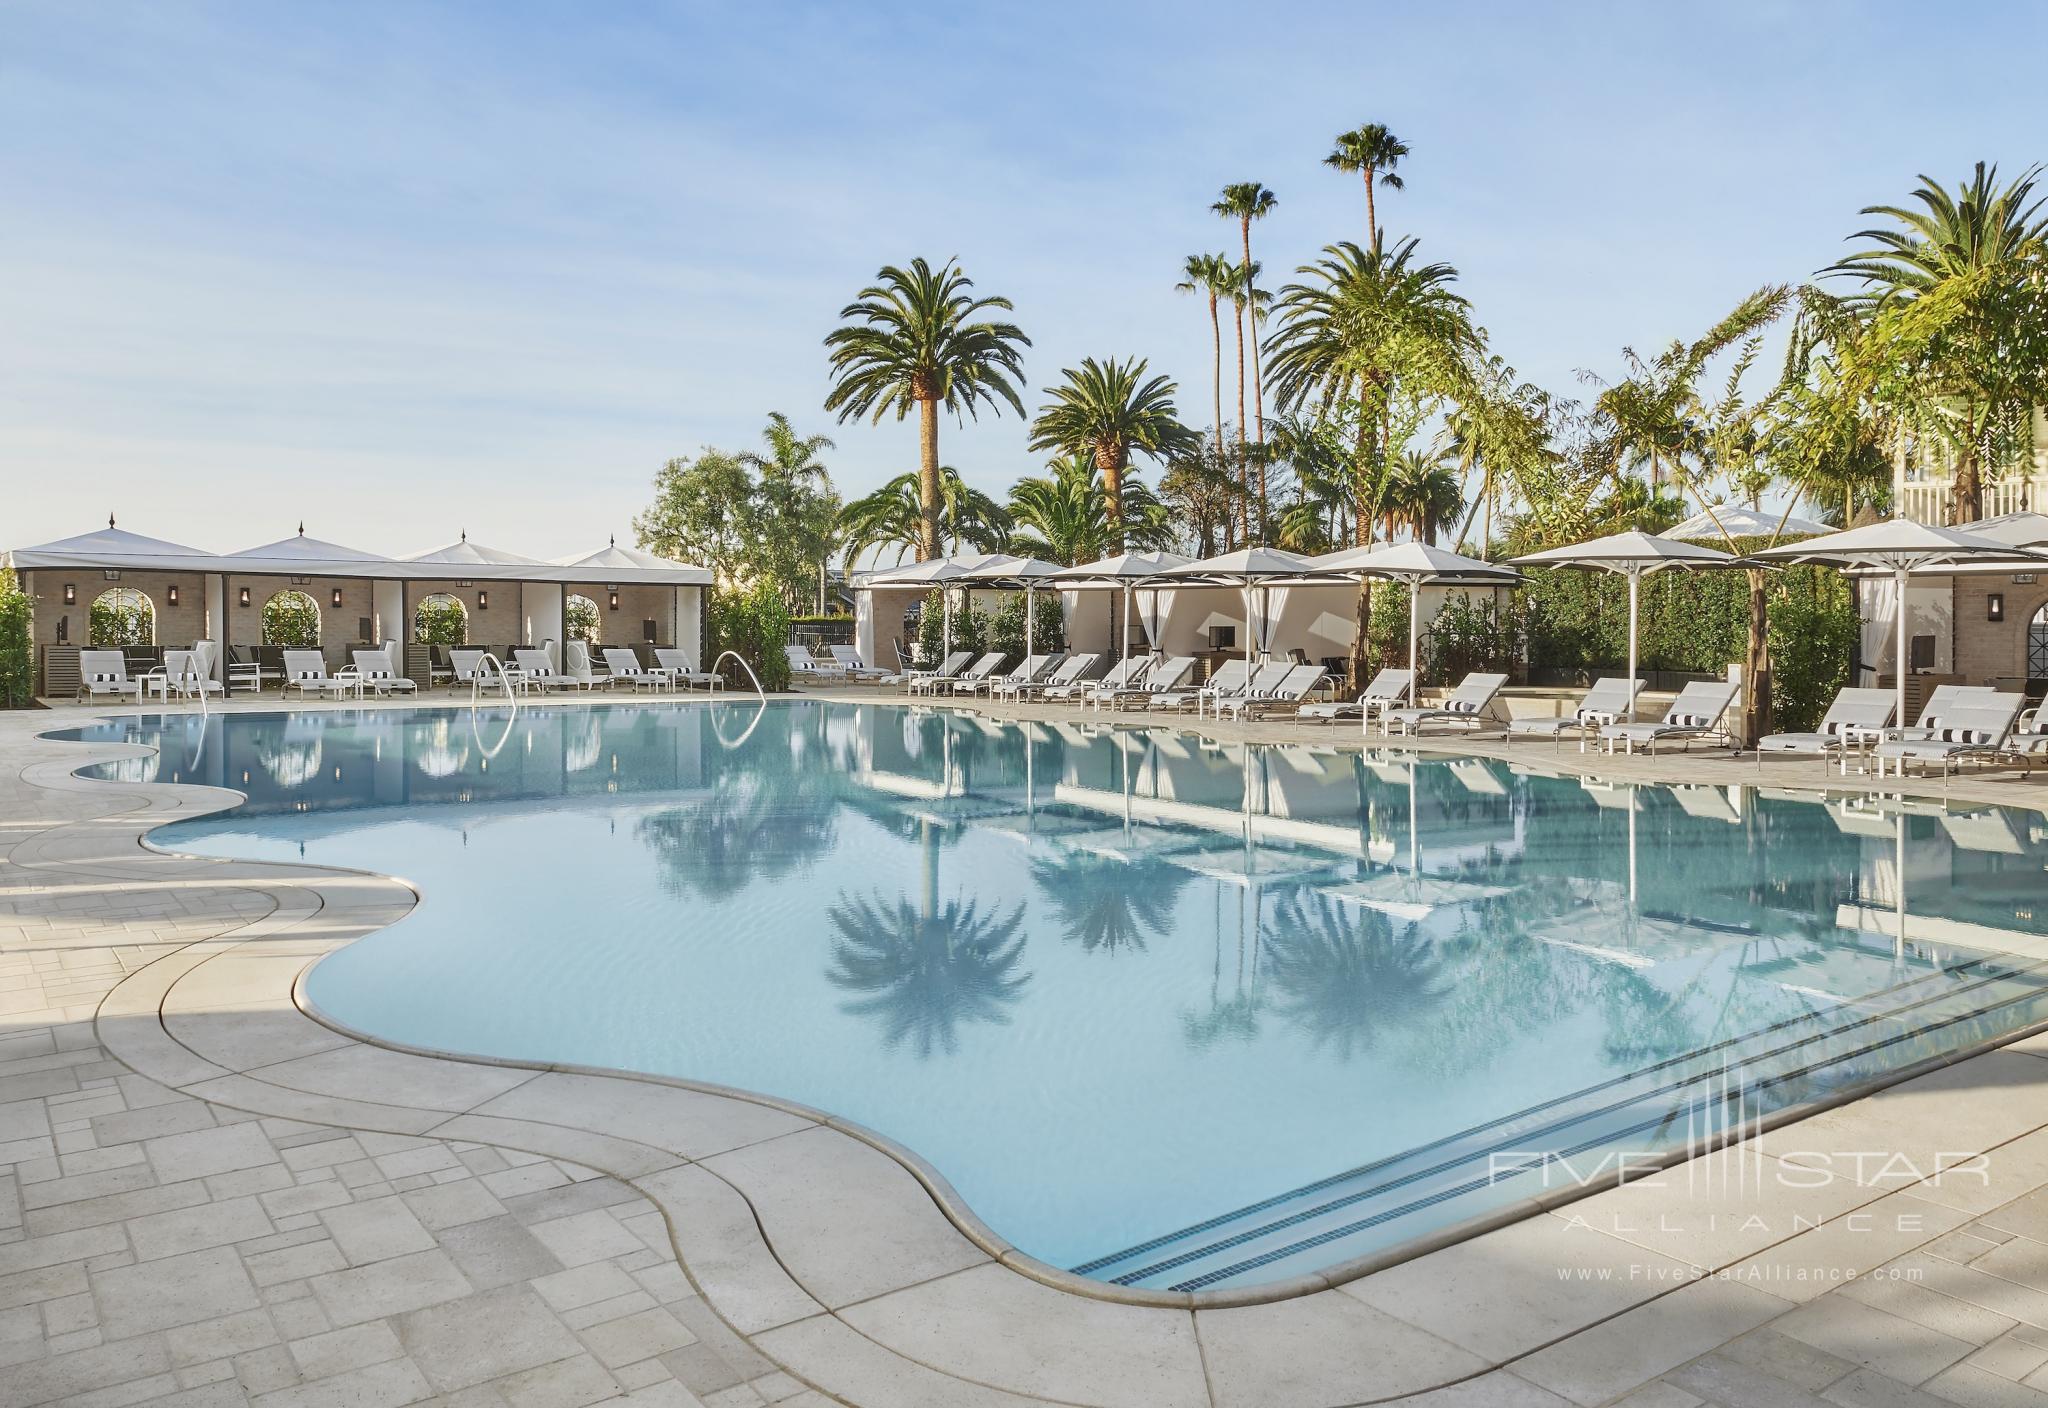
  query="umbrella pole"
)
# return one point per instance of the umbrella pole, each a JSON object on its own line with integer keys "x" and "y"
{"x": 1635, "y": 582}
{"x": 946, "y": 624}
{"x": 1125, "y": 653}
{"x": 1900, "y": 575}
{"x": 1028, "y": 615}
{"x": 1414, "y": 607}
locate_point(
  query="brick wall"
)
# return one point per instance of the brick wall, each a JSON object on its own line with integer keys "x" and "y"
{"x": 178, "y": 625}
{"x": 1994, "y": 650}
{"x": 339, "y": 625}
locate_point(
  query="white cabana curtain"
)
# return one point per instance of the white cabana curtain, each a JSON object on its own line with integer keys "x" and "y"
{"x": 1153, "y": 604}
{"x": 1267, "y": 605}
{"x": 1880, "y": 597}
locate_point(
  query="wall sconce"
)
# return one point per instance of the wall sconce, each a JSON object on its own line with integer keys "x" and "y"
{"x": 171, "y": 594}
{"x": 336, "y": 597}
{"x": 615, "y": 601}
{"x": 242, "y": 597}
{"x": 483, "y": 601}
{"x": 1994, "y": 607}
{"x": 71, "y": 593}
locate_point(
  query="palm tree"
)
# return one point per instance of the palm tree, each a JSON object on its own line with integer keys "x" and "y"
{"x": 1423, "y": 493}
{"x": 1956, "y": 297}
{"x": 1210, "y": 274}
{"x": 1244, "y": 202}
{"x": 1064, "y": 518}
{"x": 1363, "y": 326}
{"x": 1107, "y": 410}
{"x": 893, "y": 516}
{"x": 800, "y": 509}
{"x": 913, "y": 338}
{"x": 1374, "y": 151}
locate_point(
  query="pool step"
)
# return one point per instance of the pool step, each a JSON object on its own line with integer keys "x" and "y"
{"x": 1665, "y": 1106}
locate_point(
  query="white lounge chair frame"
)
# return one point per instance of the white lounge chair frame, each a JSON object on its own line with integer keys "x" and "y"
{"x": 1606, "y": 702}
{"x": 1697, "y": 712}
{"x": 1466, "y": 706}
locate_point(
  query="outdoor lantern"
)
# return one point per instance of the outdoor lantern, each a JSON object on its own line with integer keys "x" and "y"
{"x": 242, "y": 597}
{"x": 615, "y": 601}
{"x": 71, "y": 594}
{"x": 171, "y": 594}
{"x": 336, "y": 597}
{"x": 1994, "y": 607}
{"x": 483, "y": 601}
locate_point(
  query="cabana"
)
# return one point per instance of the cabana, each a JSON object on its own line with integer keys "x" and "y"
{"x": 359, "y": 598}
{"x": 1261, "y": 570}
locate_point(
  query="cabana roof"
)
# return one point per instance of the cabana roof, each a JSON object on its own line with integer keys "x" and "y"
{"x": 113, "y": 549}
{"x": 1121, "y": 567}
{"x": 108, "y": 547}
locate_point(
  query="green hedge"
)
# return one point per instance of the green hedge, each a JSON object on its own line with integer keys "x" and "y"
{"x": 17, "y": 644}
{"x": 753, "y": 624}
{"x": 1006, "y": 625}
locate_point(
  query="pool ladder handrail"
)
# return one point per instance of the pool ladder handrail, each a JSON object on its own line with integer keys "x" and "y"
{"x": 476, "y": 680}
{"x": 724, "y": 655}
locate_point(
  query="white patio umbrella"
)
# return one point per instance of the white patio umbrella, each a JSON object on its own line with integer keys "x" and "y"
{"x": 1246, "y": 568}
{"x": 1905, "y": 547}
{"x": 1742, "y": 521}
{"x": 1414, "y": 564}
{"x": 1633, "y": 555}
{"x": 1124, "y": 571}
{"x": 1003, "y": 570}
{"x": 939, "y": 572}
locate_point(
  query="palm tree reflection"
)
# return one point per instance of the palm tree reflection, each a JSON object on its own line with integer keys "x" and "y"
{"x": 1108, "y": 905}
{"x": 925, "y": 972}
{"x": 1344, "y": 976}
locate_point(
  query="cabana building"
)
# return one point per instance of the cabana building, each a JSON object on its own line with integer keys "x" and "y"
{"x": 359, "y": 598}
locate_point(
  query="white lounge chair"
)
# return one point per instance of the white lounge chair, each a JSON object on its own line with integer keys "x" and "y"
{"x": 306, "y": 671}
{"x": 464, "y": 661}
{"x": 1068, "y": 673}
{"x": 981, "y": 669}
{"x": 373, "y": 668}
{"x": 1942, "y": 701}
{"x": 853, "y": 667}
{"x": 1980, "y": 726}
{"x": 1383, "y": 692}
{"x": 802, "y": 662}
{"x": 1296, "y": 685}
{"x": 539, "y": 672}
{"x": 1164, "y": 677}
{"x": 1603, "y": 704}
{"x": 1696, "y": 713}
{"x": 1465, "y": 707}
{"x": 1856, "y": 718}
{"x": 679, "y": 667}
{"x": 105, "y": 672}
{"x": 1029, "y": 671}
{"x": 622, "y": 666}
{"x": 1126, "y": 673}
{"x": 185, "y": 673}
{"x": 916, "y": 680}
{"x": 1229, "y": 681}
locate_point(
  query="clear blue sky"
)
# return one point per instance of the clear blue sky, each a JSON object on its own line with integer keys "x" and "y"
{"x": 403, "y": 269}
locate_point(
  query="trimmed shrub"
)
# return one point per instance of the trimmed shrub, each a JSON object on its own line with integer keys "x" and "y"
{"x": 753, "y": 624}
{"x": 17, "y": 644}
{"x": 1006, "y": 625}
{"x": 970, "y": 629}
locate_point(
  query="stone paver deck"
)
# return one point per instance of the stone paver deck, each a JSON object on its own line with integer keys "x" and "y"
{"x": 209, "y": 1197}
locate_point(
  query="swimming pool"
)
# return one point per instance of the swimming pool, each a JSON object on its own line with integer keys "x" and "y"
{"x": 1165, "y": 1012}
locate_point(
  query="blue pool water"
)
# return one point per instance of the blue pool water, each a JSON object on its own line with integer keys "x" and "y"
{"x": 1165, "y": 1012}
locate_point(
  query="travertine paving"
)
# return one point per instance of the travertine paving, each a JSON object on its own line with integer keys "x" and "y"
{"x": 208, "y": 1197}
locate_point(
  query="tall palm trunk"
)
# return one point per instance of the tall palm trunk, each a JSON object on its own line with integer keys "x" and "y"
{"x": 1372, "y": 215}
{"x": 927, "y": 478}
{"x": 1258, "y": 382}
{"x": 1966, "y": 498}
{"x": 1109, "y": 460}
{"x": 1216, "y": 372}
{"x": 1244, "y": 506}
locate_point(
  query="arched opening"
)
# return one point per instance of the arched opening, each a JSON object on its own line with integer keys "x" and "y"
{"x": 292, "y": 619}
{"x": 121, "y": 616}
{"x": 440, "y": 619}
{"x": 579, "y": 619}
